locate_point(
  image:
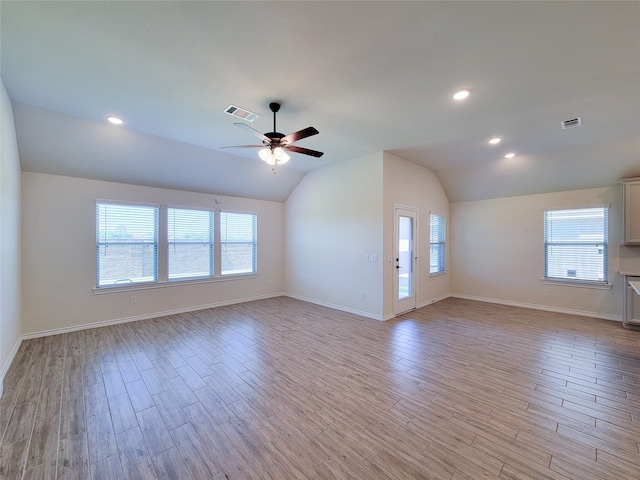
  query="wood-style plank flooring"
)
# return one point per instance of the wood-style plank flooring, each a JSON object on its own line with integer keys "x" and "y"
{"x": 283, "y": 389}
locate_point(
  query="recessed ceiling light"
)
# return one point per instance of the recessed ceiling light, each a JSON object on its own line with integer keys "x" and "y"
{"x": 495, "y": 140}
{"x": 462, "y": 94}
{"x": 115, "y": 120}
{"x": 510, "y": 155}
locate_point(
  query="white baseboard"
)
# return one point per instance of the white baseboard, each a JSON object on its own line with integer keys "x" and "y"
{"x": 105, "y": 323}
{"x": 336, "y": 307}
{"x": 433, "y": 300}
{"x": 360, "y": 312}
{"x": 8, "y": 362}
{"x": 615, "y": 318}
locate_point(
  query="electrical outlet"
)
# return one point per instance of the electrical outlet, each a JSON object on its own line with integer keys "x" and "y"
{"x": 132, "y": 300}
{"x": 362, "y": 297}
{"x": 547, "y": 292}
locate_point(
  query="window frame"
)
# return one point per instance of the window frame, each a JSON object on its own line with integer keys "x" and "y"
{"x": 577, "y": 281}
{"x": 253, "y": 243}
{"x": 162, "y": 245}
{"x": 442, "y": 268}
{"x": 154, "y": 244}
{"x": 210, "y": 244}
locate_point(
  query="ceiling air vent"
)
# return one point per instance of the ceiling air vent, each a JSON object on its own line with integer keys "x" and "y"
{"x": 574, "y": 122}
{"x": 241, "y": 113}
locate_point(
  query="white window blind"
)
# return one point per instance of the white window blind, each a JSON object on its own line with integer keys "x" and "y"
{"x": 437, "y": 244}
{"x": 575, "y": 244}
{"x": 238, "y": 243}
{"x": 189, "y": 243}
{"x": 126, "y": 244}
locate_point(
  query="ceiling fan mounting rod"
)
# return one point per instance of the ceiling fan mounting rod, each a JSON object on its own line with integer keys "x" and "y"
{"x": 275, "y": 108}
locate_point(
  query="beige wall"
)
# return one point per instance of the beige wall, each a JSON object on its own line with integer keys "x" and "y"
{"x": 9, "y": 236}
{"x": 334, "y": 220}
{"x": 10, "y": 253}
{"x": 58, "y": 267}
{"x": 498, "y": 254}
{"x": 408, "y": 184}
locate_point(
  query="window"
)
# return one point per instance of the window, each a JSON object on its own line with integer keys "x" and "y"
{"x": 437, "y": 244}
{"x": 237, "y": 243}
{"x": 575, "y": 245}
{"x": 189, "y": 243}
{"x": 126, "y": 244}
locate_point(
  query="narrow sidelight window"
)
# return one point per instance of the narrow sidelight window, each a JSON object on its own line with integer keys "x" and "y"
{"x": 437, "y": 244}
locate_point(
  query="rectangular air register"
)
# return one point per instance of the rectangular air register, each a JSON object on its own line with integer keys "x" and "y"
{"x": 574, "y": 122}
{"x": 241, "y": 113}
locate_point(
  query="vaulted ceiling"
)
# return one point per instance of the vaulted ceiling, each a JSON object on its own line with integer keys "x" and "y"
{"x": 370, "y": 76}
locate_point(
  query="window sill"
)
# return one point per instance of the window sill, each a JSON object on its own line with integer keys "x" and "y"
{"x": 433, "y": 276}
{"x": 572, "y": 283}
{"x": 171, "y": 283}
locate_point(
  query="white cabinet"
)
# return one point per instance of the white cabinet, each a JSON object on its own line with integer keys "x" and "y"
{"x": 631, "y": 301}
{"x": 631, "y": 192}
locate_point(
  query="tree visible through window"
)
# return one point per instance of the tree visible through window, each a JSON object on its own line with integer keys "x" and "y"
{"x": 575, "y": 244}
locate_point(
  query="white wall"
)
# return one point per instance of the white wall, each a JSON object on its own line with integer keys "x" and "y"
{"x": 58, "y": 268}
{"x": 9, "y": 236}
{"x": 408, "y": 184}
{"x": 497, "y": 248}
{"x": 333, "y": 220}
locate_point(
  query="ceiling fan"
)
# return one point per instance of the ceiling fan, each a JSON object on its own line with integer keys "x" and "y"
{"x": 275, "y": 144}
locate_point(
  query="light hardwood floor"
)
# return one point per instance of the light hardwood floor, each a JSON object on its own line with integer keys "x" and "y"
{"x": 282, "y": 389}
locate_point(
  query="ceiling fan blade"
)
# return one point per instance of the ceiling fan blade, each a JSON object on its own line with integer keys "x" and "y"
{"x": 305, "y": 151}
{"x": 254, "y": 132}
{"x": 294, "y": 137}
{"x": 245, "y": 146}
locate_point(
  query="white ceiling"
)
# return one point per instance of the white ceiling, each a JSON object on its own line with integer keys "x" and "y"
{"x": 370, "y": 76}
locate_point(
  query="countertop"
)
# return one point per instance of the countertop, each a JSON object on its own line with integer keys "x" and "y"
{"x": 630, "y": 274}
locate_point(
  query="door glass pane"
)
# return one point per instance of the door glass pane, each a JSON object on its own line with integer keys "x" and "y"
{"x": 405, "y": 255}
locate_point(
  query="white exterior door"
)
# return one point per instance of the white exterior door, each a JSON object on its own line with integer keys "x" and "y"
{"x": 405, "y": 260}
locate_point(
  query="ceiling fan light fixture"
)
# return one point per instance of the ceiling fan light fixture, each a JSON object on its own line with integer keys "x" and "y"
{"x": 282, "y": 157}
{"x": 277, "y": 156}
{"x": 267, "y": 156}
{"x": 276, "y": 144}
